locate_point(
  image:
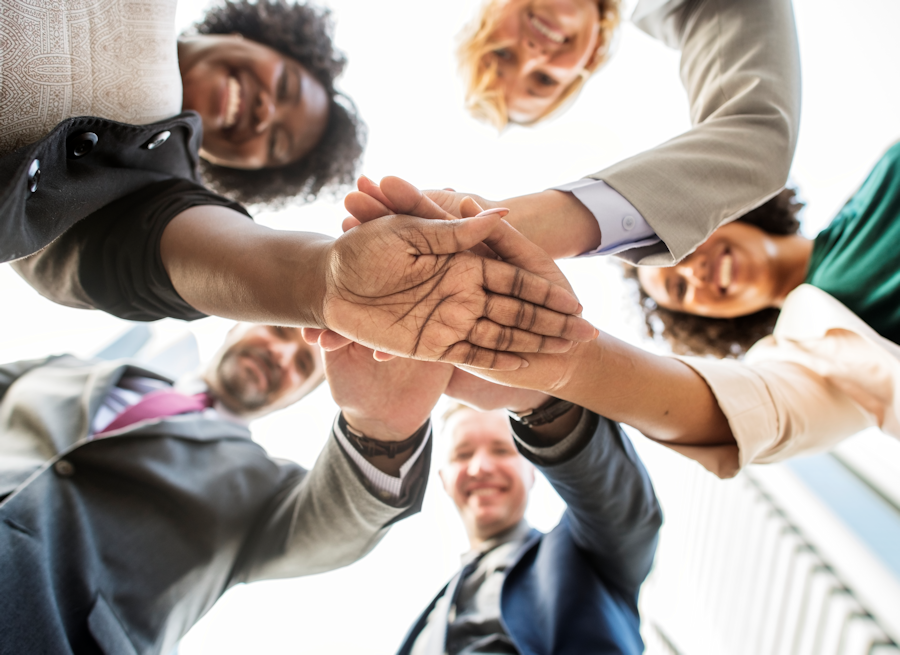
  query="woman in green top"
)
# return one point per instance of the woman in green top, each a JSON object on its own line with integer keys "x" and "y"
{"x": 726, "y": 295}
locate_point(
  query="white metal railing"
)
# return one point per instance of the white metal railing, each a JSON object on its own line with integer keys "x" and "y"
{"x": 737, "y": 574}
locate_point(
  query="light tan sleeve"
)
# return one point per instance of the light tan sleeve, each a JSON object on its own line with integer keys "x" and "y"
{"x": 326, "y": 519}
{"x": 740, "y": 66}
{"x": 776, "y": 409}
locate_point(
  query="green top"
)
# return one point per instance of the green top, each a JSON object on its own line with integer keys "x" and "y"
{"x": 856, "y": 258}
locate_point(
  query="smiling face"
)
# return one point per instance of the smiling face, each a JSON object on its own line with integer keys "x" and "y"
{"x": 733, "y": 273}
{"x": 261, "y": 368}
{"x": 485, "y": 476}
{"x": 259, "y": 108}
{"x": 540, "y": 48}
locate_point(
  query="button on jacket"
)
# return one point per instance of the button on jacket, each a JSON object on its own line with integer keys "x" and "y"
{"x": 92, "y": 199}
{"x": 119, "y": 544}
{"x": 80, "y": 174}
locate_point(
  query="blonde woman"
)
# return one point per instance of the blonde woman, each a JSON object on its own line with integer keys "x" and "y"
{"x": 524, "y": 60}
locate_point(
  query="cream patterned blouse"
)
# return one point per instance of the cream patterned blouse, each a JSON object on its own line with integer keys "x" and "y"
{"x": 116, "y": 59}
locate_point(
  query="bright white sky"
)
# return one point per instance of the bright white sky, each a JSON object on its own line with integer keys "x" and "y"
{"x": 402, "y": 76}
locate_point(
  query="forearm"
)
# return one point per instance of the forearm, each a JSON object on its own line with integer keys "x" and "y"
{"x": 741, "y": 69}
{"x": 660, "y": 396}
{"x": 612, "y": 509}
{"x": 556, "y": 221}
{"x": 221, "y": 263}
{"x": 389, "y": 463}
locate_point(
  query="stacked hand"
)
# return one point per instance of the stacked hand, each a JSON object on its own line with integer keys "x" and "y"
{"x": 411, "y": 287}
{"x": 394, "y": 195}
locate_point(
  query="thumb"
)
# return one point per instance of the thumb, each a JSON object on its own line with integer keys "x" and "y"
{"x": 407, "y": 199}
{"x": 364, "y": 207}
{"x": 468, "y": 207}
{"x": 370, "y": 188}
{"x": 448, "y": 237}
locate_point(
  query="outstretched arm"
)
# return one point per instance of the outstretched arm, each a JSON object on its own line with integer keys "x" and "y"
{"x": 740, "y": 66}
{"x": 338, "y": 511}
{"x": 404, "y": 285}
{"x": 661, "y": 396}
{"x": 612, "y": 511}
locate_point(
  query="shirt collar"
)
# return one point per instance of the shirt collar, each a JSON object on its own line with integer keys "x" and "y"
{"x": 193, "y": 383}
{"x": 516, "y": 533}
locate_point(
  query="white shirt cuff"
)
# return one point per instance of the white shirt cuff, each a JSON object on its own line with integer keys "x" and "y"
{"x": 387, "y": 486}
{"x": 621, "y": 225}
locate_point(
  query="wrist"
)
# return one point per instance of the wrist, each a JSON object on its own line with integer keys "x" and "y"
{"x": 556, "y": 221}
{"x": 313, "y": 288}
{"x": 544, "y": 414}
{"x": 382, "y": 430}
{"x": 528, "y": 400}
{"x": 557, "y": 428}
{"x": 387, "y": 456}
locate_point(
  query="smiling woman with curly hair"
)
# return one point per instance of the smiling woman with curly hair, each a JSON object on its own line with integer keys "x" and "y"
{"x": 829, "y": 368}
{"x": 106, "y": 152}
{"x": 302, "y": 33}
{"x": 694, "y": 334}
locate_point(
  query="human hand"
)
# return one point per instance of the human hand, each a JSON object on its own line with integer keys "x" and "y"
{"x": 395, "y": 195}
{"x": 387, "y": 401}
{"x": 555, "y": 220}
{"x": 429, "y": 300}
{"x": 362, "y": 208}
{"x": 486, "y": 396}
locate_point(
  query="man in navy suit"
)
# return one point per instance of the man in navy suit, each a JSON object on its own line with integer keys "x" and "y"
{"x": 571, "y": 591}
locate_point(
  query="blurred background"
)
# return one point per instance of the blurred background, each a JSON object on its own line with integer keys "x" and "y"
{"x": 796, "y": 558}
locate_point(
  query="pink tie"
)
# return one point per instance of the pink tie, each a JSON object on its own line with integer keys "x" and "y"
{"x": 159, "y": 404}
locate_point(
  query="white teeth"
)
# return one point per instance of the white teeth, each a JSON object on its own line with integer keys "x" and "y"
{"x": 725, "y": 269}
{"x": 553, "y": 35}
{"x": 234, "y": 102}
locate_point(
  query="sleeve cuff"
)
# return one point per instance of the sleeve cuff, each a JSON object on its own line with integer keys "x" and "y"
{"x": 559, "y": 452}
{"x": 622, "y": 226}
{"x": 385, "y": 486}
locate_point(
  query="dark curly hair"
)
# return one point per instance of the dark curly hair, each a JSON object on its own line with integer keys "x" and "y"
{"x": 688, "y": 334}
{"x": 302, "y": 32}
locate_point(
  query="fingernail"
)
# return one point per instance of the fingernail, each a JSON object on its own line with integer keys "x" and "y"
{"x": 503, "y": 211}
{"x": 580, "y": 308}
{"x": 596, "y": 333}
{"x": 524, "y": 363}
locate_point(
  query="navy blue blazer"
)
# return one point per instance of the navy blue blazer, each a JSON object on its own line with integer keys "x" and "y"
{"x": 574, "y": 590}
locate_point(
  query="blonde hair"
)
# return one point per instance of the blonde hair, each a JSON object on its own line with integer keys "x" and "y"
{"x": 484, "y": 100}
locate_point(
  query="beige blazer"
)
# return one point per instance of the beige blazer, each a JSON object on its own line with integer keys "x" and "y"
{"x": 740, "y": 66}
{"x": 823, "y": 376}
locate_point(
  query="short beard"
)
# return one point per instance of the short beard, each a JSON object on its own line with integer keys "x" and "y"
{"x": 242, "y": 398}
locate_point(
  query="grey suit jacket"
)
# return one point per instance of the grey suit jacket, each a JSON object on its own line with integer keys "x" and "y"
{"x": 119, "y": 545}
{"x": 740, "y": 66}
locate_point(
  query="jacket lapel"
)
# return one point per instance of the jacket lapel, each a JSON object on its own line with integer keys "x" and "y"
{"x": 534, "y": 537}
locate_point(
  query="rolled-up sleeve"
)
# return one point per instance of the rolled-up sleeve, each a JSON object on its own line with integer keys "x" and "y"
{"x": 111, "y": 260}
{"x": 777, "y": 408}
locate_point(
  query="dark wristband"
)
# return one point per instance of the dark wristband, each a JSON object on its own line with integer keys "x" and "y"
{"x": 374, "y": 447}
{"x": 546, "y": 413}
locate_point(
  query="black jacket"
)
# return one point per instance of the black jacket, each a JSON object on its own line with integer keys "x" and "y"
{"x": 108, "y": 189}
